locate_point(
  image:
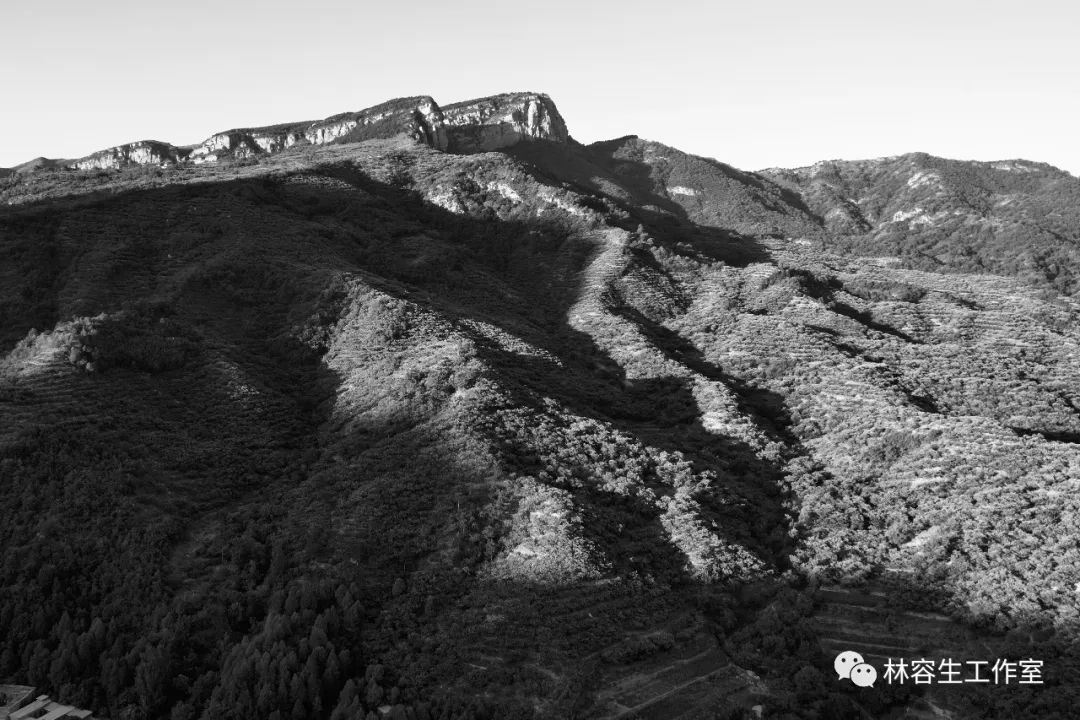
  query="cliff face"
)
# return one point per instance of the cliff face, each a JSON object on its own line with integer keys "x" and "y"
{"x": 501, "y": 121}
{"x": 144, "y": 152}
{"x": 243, "y": 143}
{"x": 480, "y": 125}
{"x": 420, "y": 118}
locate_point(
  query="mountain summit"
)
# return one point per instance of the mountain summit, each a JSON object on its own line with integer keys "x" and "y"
{"x": 489, "y": 123}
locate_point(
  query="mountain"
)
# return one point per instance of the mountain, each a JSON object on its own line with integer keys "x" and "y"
{"x": 472, "y": 126}
{"x": 438, "y": 413}
{"x": 1013, "y": 217}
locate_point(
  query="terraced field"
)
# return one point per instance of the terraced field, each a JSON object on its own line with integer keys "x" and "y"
{"x": 861, "y": 620}
{"x": 693, "y": 678}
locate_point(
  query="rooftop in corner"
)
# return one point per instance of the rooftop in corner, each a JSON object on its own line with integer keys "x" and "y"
{"x": 16, "y": 704}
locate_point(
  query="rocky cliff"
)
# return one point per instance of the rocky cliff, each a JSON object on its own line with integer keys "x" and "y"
{"x": 481, "y": 125}
{"x": 144, "y": 152}
{"x": 501, "y": 121}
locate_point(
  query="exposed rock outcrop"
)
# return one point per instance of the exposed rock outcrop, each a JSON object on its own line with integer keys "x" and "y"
{"x": 144, "y": 152}
{"x": 489, "y": 123}
{"x": 418, "y": 117}
{"x": 501, "y": 121}
{"x": 245, "y": 143}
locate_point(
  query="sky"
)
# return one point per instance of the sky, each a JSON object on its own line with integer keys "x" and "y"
{"x": 754, "y": 84}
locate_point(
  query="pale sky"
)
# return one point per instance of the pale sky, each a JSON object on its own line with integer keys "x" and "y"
{"x": 753, "y": 84}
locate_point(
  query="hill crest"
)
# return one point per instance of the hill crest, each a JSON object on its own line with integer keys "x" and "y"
{"x": 477, "y": 125}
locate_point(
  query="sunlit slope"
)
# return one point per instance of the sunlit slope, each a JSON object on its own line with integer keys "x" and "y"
{"x": 1012, "y": 217}
{"x": 559, "y": 432}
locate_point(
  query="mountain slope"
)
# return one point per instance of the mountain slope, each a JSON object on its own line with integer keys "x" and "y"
{"x": 358, "y": 429}
{"x": 1011, "y": 217}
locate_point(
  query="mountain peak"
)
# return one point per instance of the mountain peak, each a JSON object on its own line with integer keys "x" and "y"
{"x": 480, "y": 125}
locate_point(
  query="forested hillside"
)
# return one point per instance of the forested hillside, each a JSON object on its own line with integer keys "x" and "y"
{"x": 1014, "y": 217}
{"x": 370, "y": 430}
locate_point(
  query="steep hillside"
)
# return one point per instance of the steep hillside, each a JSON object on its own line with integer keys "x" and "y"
{"x": 1013, "y": 217}
{"x": 669, "y": 185}
{"x": 366, "y": 428}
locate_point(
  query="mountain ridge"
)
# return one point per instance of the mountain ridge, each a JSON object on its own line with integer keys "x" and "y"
{"x": 1013, "y": 216}
{"x": 911, "y": 154}
{"x": 369, "y": 429}
{"x": 472, "y": 125}
{"x": 929, "y": 212}
{"x": 476, "y": 125}
{"x": 286, "y": 134}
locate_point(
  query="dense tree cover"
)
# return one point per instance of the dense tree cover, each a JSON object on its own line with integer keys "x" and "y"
{"x": 103, "y": 622}
{"x": 375, "y": 431}
{"x": 1014, "y": 218}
